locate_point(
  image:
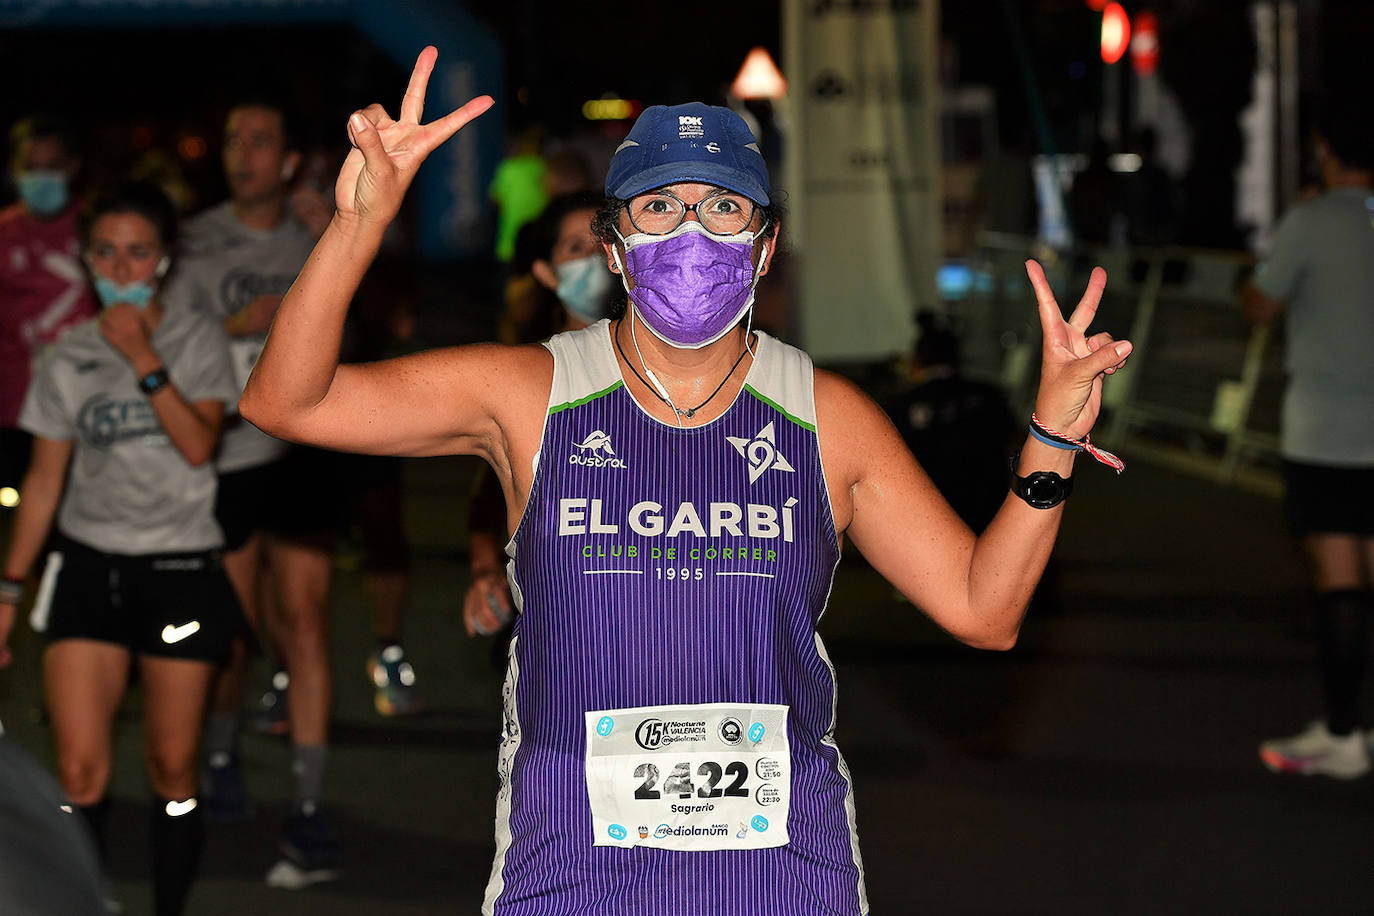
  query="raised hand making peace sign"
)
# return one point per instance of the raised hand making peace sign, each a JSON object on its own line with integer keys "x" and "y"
{"x": 387, "y": 153}
{"x": 1072, "y": 364}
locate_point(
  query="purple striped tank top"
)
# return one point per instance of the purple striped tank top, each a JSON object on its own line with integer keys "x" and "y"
{"x": 669, "y": 709}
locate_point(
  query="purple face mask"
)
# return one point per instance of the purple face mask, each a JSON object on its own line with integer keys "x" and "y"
{"x": 691, "y": 287}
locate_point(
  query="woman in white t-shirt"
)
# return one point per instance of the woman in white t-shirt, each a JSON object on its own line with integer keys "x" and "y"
{"x": 126, "y": 413}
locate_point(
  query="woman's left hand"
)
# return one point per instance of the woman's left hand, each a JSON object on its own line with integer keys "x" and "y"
{"x": 1072, "y": 364}
{"x": 122, "y": 326}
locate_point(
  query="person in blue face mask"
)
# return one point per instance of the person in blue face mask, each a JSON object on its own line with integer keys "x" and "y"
{"x": 126, "y": 412}
{"x": 569, "y": 261}
{"x": 679, "y": 488}
{"x": 43, "y": 165}
{"x": 43, "y": 289}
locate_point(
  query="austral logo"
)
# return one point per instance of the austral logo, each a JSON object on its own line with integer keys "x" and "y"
{"x": 595, "y": 452}
{"x": 761, "y": 452}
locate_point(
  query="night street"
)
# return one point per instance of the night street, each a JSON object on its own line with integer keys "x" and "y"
{"x": 1107, "y": 764}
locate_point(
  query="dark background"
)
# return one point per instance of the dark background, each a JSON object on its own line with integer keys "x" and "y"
{"x": 132, "y": 89}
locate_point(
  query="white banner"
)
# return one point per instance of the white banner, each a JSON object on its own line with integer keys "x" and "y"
{"x": 863, "y": 170}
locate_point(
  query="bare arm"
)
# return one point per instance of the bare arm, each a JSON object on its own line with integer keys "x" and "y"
{"x": 42, "y": 491}
{"x": 488, "y": 589}
{"x": 487, "y": 604}
{"x": 432, "y": 403}
{"x": 193, "y": 427}
{"x": 975, "y": 588}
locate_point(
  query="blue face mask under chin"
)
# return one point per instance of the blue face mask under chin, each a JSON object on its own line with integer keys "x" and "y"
{"x": 138, "y": 294}
{"x": 43, "y": 191}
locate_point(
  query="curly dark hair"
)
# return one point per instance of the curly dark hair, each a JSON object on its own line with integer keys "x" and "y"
{"x": 606, "y": 222}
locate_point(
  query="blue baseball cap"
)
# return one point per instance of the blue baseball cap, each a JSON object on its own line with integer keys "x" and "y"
{"x": 691, "y": 142}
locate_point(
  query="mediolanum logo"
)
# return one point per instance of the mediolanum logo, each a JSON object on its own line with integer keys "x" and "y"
{"x": 595, "y": 451}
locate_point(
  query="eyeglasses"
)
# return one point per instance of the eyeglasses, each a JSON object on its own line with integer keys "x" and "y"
{"x": 721, "y": 213}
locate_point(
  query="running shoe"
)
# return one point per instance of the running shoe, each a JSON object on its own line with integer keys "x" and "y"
{"x": 310, "y": 852}
{"x": 1316, "y": 750}
{"x": 226, "y": 799}
{"x": 270, "y": 716}
{"x": 394, "y": 680}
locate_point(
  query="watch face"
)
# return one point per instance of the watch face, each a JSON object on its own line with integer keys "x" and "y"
{"x": 1042, "y": 489}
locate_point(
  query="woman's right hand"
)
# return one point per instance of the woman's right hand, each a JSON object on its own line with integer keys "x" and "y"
{"x": 387, "y": 153}
{"x": 487, "y": 604}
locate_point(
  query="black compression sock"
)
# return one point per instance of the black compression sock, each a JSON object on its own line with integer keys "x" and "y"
{"x": 178, "y": 840}
{"x": 95, "y": 816}
{"x": 1343, "y": 632}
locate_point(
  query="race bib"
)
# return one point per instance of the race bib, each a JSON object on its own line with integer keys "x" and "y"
{"x": 709, "y": 776}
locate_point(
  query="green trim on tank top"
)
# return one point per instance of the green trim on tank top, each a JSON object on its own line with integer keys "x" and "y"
{"x": 778, "y": 407}
{"x": 588, "y": 399}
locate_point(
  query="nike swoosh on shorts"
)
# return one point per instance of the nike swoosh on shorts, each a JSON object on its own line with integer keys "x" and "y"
{"x": 171, "y": 634}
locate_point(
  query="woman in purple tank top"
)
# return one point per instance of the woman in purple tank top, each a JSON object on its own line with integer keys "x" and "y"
{"x": 668, "y": 473}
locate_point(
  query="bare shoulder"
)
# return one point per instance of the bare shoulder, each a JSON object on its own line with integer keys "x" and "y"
{"x": 518, "y": 365}
{"x": 848, "y": 421}
{"x": 512, "y": 381}
{"x": 513, "y": 371}
{"x": 521, "y": 377}
{"x": 856, "y": 438}
{"x": 472, "y": 399}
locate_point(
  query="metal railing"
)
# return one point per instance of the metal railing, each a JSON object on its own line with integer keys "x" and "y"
{"x": 1202, "y": 388}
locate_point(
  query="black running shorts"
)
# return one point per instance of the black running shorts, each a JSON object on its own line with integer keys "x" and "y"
{"x": 1322, "y": 499}
{"x": 174, "y": 605}
{"x": 302, "y": 496}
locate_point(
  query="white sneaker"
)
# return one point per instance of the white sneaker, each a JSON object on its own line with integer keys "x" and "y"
{"x": 1316, "y": 750}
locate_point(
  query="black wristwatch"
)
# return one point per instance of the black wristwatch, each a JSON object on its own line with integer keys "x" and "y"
{"x": 153, "y": 382}
{"x": 1040, "y": 489}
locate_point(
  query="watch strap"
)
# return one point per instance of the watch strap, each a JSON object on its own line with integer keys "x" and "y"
{"x": 154, "y": 381}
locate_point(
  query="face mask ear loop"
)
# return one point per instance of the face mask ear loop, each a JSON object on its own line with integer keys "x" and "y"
{"x": 634, "y": 339}
{"x": 620, "y": 268}
{"x": 749, "y": 319}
